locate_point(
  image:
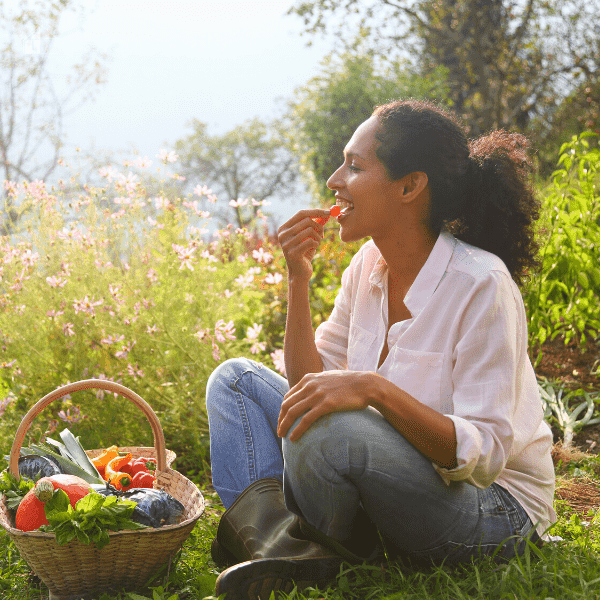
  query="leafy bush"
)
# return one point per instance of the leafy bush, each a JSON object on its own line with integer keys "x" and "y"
{"x": 564, "y": 298}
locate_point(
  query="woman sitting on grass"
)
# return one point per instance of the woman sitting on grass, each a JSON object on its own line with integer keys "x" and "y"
{"x": 413, "y": 411}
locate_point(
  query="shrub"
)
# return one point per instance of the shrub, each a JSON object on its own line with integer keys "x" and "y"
{"x": 564, "y": 298}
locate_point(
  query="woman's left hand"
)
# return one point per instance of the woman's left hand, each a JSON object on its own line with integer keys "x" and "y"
{"x": 318, "y": 394}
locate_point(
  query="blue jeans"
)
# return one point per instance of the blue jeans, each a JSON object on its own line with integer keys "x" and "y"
{"x": 349, "y": 463}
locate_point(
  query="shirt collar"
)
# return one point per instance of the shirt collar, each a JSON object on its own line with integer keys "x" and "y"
{"x": 429, "y": 276}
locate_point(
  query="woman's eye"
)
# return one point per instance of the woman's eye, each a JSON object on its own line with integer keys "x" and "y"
{"x": 353, "y": 168}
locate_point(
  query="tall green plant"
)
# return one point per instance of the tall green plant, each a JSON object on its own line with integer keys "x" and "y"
{"x": 564, "y": 299}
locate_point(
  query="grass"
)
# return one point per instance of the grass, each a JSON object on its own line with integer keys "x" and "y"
{"x": 565, "y": 569}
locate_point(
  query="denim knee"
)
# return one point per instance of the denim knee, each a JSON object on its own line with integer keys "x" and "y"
{"x": 225, "y": 374}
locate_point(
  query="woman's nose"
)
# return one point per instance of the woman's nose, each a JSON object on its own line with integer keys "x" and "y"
{"x": 334, "y": 182}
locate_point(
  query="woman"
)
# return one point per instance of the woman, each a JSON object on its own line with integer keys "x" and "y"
{"x": 414, "y": 409}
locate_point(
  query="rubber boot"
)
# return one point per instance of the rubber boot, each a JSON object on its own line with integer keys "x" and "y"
{"x": 272, "y": 549}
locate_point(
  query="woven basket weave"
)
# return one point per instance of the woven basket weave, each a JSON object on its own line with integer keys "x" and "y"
{"x": 129, "y": 560}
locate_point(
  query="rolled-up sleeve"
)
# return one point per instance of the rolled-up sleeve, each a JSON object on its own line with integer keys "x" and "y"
{"x": 487, "y": 381}
{"x": 331, "y": 336}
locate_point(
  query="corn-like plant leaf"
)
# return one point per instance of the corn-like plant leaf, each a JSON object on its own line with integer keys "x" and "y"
{"x": 76, "y": 450}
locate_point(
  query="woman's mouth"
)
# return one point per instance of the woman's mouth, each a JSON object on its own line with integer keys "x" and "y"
{"x": 345, "y": 206}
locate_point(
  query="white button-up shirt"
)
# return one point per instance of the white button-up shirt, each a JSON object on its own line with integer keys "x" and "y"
{"x": 463, "y": 353}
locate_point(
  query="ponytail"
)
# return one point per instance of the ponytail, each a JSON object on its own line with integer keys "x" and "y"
{"x": 480, "y": 190}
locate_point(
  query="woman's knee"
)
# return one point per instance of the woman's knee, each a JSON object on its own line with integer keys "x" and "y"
{"x": 335, "y": 439}
{"x": 225, "y": 375}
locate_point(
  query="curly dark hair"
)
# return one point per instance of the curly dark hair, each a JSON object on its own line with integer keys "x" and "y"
{"x": 480, "y": 189}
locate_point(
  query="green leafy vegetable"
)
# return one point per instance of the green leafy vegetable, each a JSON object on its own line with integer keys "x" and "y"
{"x": 13, "y": 490}
{"x": 90, "y": 521}
{"x": 76, "y": 450}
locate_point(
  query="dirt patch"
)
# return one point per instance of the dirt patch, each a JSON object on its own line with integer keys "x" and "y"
{"x": 574, "y": 369}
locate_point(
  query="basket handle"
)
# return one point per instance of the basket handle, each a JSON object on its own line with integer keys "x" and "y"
{"x": 86, "y": 384}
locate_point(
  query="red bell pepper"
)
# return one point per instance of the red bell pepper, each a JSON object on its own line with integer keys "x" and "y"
{"x": 142, "y": 480}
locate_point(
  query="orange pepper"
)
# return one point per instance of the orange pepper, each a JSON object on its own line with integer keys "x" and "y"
{"x": 103, "y": 459}
{"x": 114, "y": 476}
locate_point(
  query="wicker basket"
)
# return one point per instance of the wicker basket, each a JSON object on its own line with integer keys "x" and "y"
{"x": 129, "y": 560}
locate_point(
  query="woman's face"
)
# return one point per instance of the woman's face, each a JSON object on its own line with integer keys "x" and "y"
{"x": 363, "y": 189}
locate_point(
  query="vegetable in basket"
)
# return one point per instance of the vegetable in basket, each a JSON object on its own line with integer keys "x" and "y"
{"x": 113, "y": 473}
{"x": 31, "y": 513}
{"x": 34, "y": 466}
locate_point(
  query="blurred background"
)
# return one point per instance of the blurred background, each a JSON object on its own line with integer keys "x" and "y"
{"x": 257, "y": 98}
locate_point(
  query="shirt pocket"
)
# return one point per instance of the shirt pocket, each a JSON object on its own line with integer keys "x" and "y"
{"x": 360, "y": 342}
{"x": 419, "y": 374}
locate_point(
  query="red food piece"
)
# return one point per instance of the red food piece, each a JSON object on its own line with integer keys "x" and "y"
{"x": 31, "y": 515}
{"x": 335, "y": 210}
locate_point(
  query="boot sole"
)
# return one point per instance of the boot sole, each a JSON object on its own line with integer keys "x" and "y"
{"x": 257, "y": 579}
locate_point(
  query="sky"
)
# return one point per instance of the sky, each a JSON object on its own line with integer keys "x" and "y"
{"x": 219, "y": 61}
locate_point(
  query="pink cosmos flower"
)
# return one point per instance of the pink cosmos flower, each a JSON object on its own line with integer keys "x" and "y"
{"x": 4, "y": 404}
{"x": 261, "y": 256}
{"x": 112, "y": 340}
{"x": 74, "y": 417}
{"x": 244, "y": 280}
{"x": 108, "y": 172}
{"x": 216, "y": 352}
{"x": 142, "y": 163}
{"x": 202, "y": 190}
{"x": 274, "y": 278}
{"x": 52, "y": 427}
{"x": 166, "y": 156}
{"x": 278, "y": 361}
{"x": 239, "y": 202}
{"x": 224, "y": 330}
{"x": 152, "y": 329}
{"x": 162, "y": 202}
{"x": 185, "y": 255}
{"x": 56, "y": 281}
{"x": 29, "y": 258}
{"x": 53, "y": 314}
{"x": 100, "y": 393}
{"x": 243, "y": 257}
{"x": 86, "y": 305}
{"x": 228, "y": 294}
{"x": 260, "y": 202}
{"x": 68, "y": 329}
{"x": 7, "y": 365}
{"x": 252, "y": 336}
{"x": 201, "y": 334}
{"x": 152, "y": 276}
{"x": 135, "y": 372}
{"x": 125, "y": 350}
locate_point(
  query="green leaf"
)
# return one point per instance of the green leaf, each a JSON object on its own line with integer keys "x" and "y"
{"x": 58, "y": 503}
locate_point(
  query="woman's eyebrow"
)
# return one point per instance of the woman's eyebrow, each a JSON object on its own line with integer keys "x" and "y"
{"x": 352, "y": 155}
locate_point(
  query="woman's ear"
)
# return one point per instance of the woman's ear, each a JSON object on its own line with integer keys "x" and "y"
{"x": 412, "y": 185}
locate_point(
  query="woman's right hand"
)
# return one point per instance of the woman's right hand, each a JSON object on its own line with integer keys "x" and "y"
{"x": 299, "y": 238}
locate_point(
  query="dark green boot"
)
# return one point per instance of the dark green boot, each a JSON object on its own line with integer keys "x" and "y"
{"x": 272, "y": 549}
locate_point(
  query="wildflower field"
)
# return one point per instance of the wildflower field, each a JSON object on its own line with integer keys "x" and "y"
{"x": 131, "y": 282}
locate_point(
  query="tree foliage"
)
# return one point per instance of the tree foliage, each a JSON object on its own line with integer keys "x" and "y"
{"x": 249, "y": 162}
{"x": 326, "y": 111}
{"x": 32, "y": 105}
{"x": 509, "y": 61}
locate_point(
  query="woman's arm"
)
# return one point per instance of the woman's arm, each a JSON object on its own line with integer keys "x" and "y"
{"x": 299, "y": 237}
{"x": 299, "y": 349}
{"x": 425, "y": 428}
{"x": 317, "y": 395}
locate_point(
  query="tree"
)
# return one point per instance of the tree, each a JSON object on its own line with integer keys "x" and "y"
{"x": 508, "y": 61}
{"x": 326, "y": 111}
{"x": 31, "y": 107}
{"x": 244, "y": 167}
